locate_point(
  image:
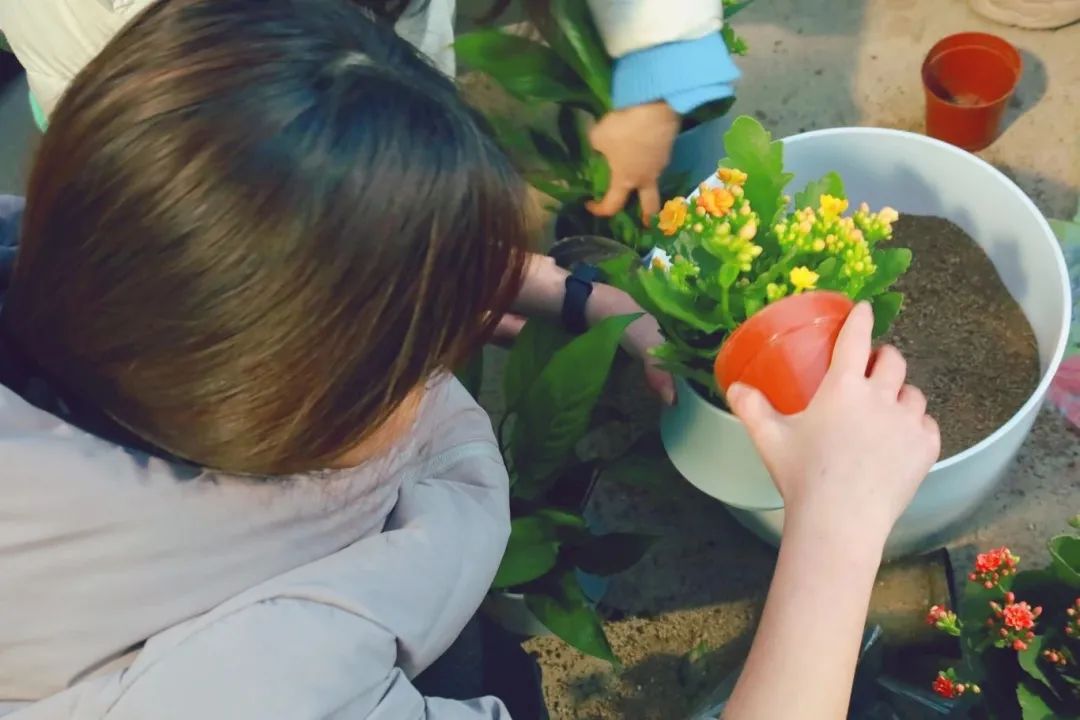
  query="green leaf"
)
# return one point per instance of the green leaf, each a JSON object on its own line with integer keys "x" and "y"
{"x": 1029, "y": 660}
{"x": 680, "y": 306}
{"x": 1033, "y": 707}
{"x": 732, "y": 7}
{"x": 555, "y": 411}
{"x": 886, "y": 307}
{"x": 751, "y": 149}
{"x": 729, "y": 273}
{"x": 645, "y": 465}
{"x": 611, "y": 553}
{"x": 535, "y": 345}
{"x": 582, "y": 38}
{"x": 598, "y": 173}
{"x": 526, "y": 69}
{"x": 736, "y": 45}
{"x": 555, "y": 156}
{"x": 891, "y": 264}
{"x": 531, "y": 552}
{"x": 570, "y": 132}
{"x": 1065, "y": 558}
{"x": 830, "y": 184}
{"x": 471, "y": 375}
{"x": 567, "y": 613}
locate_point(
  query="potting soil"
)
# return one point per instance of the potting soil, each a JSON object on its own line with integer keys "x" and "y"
{"x": 968, "y": 344}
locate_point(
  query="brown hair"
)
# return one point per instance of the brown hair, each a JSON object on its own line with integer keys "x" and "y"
{"x": 253, "y": 228}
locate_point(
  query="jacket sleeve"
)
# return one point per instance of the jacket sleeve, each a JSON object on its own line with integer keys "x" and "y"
{"x": 341, "y": 637}
{"x": 668, "y": 50}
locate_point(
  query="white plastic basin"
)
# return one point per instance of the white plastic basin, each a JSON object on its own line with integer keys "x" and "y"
{"x": 917, "y": 175}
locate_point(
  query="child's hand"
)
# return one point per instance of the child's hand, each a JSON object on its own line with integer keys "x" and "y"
{"x": 637, "y": 144}
{"x": 855, "y": 457}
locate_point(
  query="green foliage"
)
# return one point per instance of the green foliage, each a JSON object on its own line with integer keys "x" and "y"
{"x": 571, "y": 70}
{"x": 552, "y": 384}
{"x": 723, "y": 255}
{"x": 554, "y": 413}
{"x": 565, "y": 611}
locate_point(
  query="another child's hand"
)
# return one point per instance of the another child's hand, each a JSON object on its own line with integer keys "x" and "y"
{"x": 855, "y": 457}
{"x": 637, "y": 144}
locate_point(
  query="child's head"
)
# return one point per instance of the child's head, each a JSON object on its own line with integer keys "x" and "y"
{"x": 254, "y": 229}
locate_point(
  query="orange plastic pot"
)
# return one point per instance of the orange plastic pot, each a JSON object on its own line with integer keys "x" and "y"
{"x": 968, "y": 79}
{"x": 785, "y": 349}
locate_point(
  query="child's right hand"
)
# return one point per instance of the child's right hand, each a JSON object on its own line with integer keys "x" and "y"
{"x": 854, "y": 458}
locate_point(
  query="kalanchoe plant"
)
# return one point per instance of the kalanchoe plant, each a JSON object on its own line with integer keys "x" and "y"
{"x": 739, "y": 243}
{"x": 552, "y": 384}
{"x": 564, "y": 74}
{"x": 1019, "y": 636}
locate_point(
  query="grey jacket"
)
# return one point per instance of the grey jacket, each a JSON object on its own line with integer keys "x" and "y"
{"x": 135, "y": 589}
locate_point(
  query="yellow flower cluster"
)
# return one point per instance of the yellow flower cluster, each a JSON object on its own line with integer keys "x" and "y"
{"x": 875, "y": 226}
{"x": 825, "y": 231}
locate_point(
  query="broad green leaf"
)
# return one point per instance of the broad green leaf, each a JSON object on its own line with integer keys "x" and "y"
{"x": 1029, "y": 660}
{"x": 830, "y": 184}
{"x": 611, "y": 553}
{"x": 532, "y": 350}
{"x": 527, "y": 70}
{"x": 1033, "y": 707}
{"x": 570, "y": 132}
{"x": 891, "y": 264}
{"x": 751, "y": 149}
{"x": 565, "y": 194}
{"x": 736, "y": 45}
{"x": 680, "y": 306}
{"x": 624, "y": 229}
{"x": 598, "y": 173}
{"x": 886, "y": 307}
{"x": 554, "y": 414}
{"x": 582, "y": 39}
{"x": 567, "y": 613}
{"x": 530, "y": 553}
{"x": 555, "y": 156}
{"x": 471, "y": 375}
{"x": 1065, "y": 558}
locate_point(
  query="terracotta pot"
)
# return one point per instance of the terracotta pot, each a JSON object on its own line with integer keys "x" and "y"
{"x": 785, "y": 349}
{"x": 968, "y": 79}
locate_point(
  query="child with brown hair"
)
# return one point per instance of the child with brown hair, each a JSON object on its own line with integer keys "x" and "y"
{"x": 238, "y": 479}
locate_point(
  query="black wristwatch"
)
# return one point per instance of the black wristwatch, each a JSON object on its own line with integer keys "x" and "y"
{"x": 579, "y": 286}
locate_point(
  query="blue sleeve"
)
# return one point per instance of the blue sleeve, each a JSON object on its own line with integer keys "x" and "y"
{"x": 685, "y": 74}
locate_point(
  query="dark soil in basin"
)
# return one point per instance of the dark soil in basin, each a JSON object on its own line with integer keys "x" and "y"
{"x": 968, "y": 344}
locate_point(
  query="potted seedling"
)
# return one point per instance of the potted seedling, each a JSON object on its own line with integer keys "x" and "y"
{"x": 984, "y": 328}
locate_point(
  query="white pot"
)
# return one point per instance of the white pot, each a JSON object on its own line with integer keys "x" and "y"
{"x": 917, "y": 175}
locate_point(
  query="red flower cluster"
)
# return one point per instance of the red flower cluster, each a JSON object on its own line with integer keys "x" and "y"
{"x": 947, "y": 686}
{"x": 992, "y": 566}
{"x": 1017, "y": 620}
